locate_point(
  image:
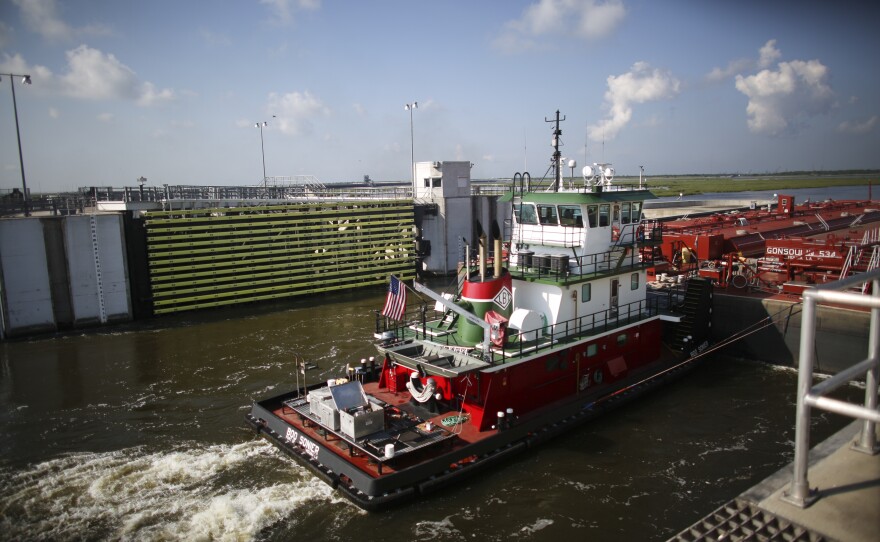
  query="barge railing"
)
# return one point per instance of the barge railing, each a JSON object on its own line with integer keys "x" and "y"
{"x": 809, "y": 396}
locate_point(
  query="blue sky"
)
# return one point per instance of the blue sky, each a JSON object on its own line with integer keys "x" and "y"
{"x": 171, "y": 90}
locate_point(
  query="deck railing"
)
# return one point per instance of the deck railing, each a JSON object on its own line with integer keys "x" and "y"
{"x": 809, "y": 396}
{"x": 625, "y": 256}
{"x": 530, "y": 341}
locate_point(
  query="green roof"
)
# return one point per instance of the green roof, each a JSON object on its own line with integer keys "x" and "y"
{"x": 576, "y": 198}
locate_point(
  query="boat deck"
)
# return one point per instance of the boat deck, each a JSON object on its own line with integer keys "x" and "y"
{"x": 414, "y": 432}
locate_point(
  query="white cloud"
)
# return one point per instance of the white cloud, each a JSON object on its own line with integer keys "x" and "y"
{"x": 106, "y": 117}
{"x": 17, "y": 64}
{"x": 768, "y": 54}
{"x": 283, "y": 9}
{"x": 94, "y": 75}
{"x": 149, "y": 95}
{"x": 295, "y": 111}
{"x": 91, "y": 75}
{"x": 641, "y": 84}
{"x": 586, "y": 19}
{"x": 54, "y": 113}
{"x": 42, "y": 17}
{"x": 779, "y": 99}
{"x": 859, "y": 128}
{"x": 733, "y": 67}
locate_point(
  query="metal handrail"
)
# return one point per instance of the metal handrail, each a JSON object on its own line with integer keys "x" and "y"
{"x": 808, "y": 397}
{"x": 551, "y": 334}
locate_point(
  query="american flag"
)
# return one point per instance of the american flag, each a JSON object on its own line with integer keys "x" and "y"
{"x": 395, "y": 303}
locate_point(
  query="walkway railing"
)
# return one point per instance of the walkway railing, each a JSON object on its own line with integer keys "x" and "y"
{"x": 531, "y": 341}
{"x": 810, "y": 396}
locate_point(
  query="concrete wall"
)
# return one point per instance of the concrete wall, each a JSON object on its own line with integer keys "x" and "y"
{"x": 95, "y": 248}
{"x": 841, "y": 334}
{"x": 62, "y": 272}
{"x": 454, "y": 219}
{"x": 27, "y": 295}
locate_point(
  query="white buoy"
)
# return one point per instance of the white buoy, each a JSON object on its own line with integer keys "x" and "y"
{"x": 389, "y": 451}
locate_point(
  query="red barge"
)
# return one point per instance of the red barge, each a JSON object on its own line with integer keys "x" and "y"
{"x": 557, "y": 329}
{"x": 782, "y": 249}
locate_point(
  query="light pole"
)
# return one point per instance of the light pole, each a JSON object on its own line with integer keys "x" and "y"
{"x": 260, "y": 125}
{"x": 412, "y": 144}
{"x": 26, "y": 79}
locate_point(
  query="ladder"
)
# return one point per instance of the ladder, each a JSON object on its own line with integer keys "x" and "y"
{"x": 99, "y": 279}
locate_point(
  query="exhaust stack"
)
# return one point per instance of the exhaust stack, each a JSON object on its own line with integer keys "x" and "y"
{"x": 497, "y": 259}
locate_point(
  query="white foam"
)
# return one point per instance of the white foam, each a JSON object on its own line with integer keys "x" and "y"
{"x": 131, "y": 494}
{"x": 536, "y": 526}
{"x": 437, "y": 530}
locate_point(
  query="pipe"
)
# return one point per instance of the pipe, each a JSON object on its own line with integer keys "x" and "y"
{"x": 497, "y": 260}
{"x": 482, "y": 257}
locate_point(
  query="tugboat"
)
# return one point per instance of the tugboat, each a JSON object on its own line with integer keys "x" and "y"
{"x": 542, "y": 334}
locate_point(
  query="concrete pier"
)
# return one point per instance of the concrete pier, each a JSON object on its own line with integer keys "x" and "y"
{"x": 847, "y": 505}
{"x": 655, "y": 210}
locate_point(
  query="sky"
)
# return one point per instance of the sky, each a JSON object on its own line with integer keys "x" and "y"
{"x": 171, "y": 90}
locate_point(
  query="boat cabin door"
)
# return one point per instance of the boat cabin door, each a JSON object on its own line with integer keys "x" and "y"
{"x": 615, "y": 223}
{"x": 612, "y": 305}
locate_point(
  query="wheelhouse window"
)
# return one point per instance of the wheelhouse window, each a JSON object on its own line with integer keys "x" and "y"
{"x": 592, "y": 214}
{"x": 525, "y": 213}
{"x": 547, "y": 215}
{"x": 624, "y": 213}
{"x": 586, "y": 292}
{"x": 636, "y": 212}
{"x": 634, "y": 281}
{"x": 570, "y": 215}
{"x": 604, "y": 212}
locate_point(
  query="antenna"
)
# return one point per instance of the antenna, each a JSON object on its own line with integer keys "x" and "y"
{"x": 556, "y": 154}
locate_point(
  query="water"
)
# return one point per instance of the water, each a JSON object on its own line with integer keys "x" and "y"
{"x": 137, "y": 433}
{"x": 800, "y": 194}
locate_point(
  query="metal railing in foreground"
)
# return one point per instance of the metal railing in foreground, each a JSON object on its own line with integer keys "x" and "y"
{"x": 808, "y": 396}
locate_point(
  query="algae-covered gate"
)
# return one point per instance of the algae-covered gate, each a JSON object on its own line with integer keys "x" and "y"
{"x": 202, "y": 258}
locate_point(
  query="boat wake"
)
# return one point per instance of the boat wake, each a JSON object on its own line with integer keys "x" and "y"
{"x": 203, "y": 493}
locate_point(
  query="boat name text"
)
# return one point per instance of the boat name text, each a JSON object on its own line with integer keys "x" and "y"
{"x": 308, "y": 446}
{"x": 700, "y": 348}
{"x": 798, "y": 252}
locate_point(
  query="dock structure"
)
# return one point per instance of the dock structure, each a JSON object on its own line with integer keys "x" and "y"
{"x": 120, "y": 254}
{"x": 844, "y": 503}
{"x": 201, "y": 258}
